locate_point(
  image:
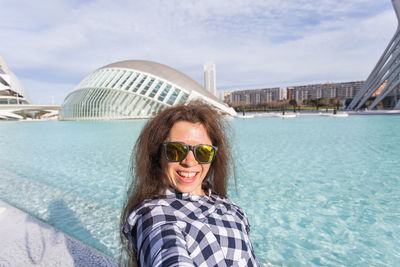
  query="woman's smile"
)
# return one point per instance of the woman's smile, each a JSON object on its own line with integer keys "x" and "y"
{"x": 187, "y": 176}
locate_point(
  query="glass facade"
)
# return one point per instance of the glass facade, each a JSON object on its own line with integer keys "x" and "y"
{"x": 118, "y": 93}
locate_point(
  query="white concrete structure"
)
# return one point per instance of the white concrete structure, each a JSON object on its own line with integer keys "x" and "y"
{"x": 11, "y": 90}
{"x": 13, "y": 97}
{"x": 383, "y": 84}
{"x": 27, "y": 241}
{"x": 13, "y": 111}
{"x": 210, "y": 78}
{"x": 133, "y": 89}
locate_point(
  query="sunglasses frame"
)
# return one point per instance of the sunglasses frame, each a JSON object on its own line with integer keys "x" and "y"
{"x": 191, "y": 148}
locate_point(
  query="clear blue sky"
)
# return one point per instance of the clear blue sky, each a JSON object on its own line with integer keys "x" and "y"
{"x": 51, "y": 45}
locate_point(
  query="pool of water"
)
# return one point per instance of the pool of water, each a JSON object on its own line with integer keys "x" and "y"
{"x": 319, "y": 191}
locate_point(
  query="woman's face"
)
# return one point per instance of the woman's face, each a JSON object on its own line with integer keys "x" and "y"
{"x": 187, "y": 176}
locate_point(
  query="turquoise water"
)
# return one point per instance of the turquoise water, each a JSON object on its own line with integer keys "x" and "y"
{"x": 319, "y": 191}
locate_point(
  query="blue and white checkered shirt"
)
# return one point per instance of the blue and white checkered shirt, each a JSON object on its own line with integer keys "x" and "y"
{"x": 187, "y": 230}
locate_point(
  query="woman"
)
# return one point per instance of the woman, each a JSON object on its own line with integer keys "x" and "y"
{"x": 177, "y": 213}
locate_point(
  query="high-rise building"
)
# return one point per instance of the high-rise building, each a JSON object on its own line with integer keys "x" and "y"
{"x": 210, "y": 82}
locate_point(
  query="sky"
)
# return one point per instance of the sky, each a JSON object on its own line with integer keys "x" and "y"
{"x": 51, "y": 45}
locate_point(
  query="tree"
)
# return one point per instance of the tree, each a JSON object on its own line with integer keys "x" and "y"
{"x": 335, "y": 102}
{"x": 293, "y": 103}
{"x": 314, "y": 102}
{"x": 323, "y": 102}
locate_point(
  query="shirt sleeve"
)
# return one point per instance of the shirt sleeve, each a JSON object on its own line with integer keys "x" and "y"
{"x": 159, "y": 241}
{"x": 164, "y": 246}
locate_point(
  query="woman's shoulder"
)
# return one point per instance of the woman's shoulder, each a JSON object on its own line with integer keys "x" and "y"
{"x": 150, "y": 214}
{"x": 234, "y": 210}
{"x": 152, "y": 208}
{"x": 229, "y": 204}
{"x": 166, "y": 206}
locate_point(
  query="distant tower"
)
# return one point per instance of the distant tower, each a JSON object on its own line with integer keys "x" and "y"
{"x": 210, "y": 78}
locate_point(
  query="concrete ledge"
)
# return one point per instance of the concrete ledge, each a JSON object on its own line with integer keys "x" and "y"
{"x": 26, "y": 241}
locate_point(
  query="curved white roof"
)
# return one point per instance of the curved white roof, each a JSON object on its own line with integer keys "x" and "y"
{"x": 16, "y": 86}
{"x": 163, "y": 72}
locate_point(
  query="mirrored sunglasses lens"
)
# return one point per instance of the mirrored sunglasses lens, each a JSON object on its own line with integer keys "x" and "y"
{"x": 205, "y": 154}
{"x": 175, "y": 151}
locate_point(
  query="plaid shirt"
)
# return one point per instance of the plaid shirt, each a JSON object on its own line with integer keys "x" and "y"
{"x": 187, "y": 230}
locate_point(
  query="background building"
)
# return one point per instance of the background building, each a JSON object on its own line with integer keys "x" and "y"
{"x": 11, "y": 90}
{"x": 133, "y": 89}
{"x": 210, "y": 78}
{"x": 299, "y": 93}
{"x": 15, "y": 103}
{"x": 255, "y": 96}
{"x": 326, "y": 90}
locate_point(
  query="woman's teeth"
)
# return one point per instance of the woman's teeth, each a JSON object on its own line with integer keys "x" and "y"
{"x": 187, "y": 174}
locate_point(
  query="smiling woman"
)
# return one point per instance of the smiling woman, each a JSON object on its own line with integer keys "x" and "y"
{"x": 176, "y": 211}
{"x": 185, "y": 173}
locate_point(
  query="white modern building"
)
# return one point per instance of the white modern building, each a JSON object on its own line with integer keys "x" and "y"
{"x": 13, "y": 96}
{"x": 133, "y": 89}
{"x": 11, "y": 90}
{"x": 210, "y": 78}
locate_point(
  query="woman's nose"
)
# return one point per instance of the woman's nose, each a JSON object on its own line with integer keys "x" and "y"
{"x": 190, "y": 160}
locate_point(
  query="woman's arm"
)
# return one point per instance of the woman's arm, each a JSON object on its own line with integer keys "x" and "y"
{"x": 157, "y": 238}
{"x": 164, "y": 245}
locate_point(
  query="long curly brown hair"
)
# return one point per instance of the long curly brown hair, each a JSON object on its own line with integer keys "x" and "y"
{"x": 148, "y": 179}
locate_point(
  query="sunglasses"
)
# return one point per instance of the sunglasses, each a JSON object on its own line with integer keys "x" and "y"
{"x": 176, "y": 152}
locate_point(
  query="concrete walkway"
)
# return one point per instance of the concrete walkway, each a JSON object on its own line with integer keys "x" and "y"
{"x": 26, "y": 241}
